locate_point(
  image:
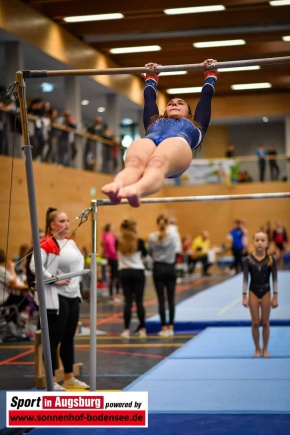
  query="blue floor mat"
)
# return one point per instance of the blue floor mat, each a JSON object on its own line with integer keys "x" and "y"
{"x": 215, "y": 373}
{"x": 233, "y": 342}
{"x": 188, "y": 424}
{"x": 221, "y": 305}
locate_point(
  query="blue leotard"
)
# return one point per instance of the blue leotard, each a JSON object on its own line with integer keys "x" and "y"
{"x": 163, "y": 128}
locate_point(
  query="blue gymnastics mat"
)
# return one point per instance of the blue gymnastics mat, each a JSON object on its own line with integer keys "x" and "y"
{"x": 203, "y": 377}
{"x": 233, "y": 342}
{"x": 221, "y": 305}
{"x": 190, "y": 424}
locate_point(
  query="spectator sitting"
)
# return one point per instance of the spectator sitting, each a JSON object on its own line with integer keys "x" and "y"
{"x": 244, "y": 177}
{"x": 19, "y": 260}
{"x": 200, "y": 249}
{"x": 13, "y": 292}
{"x": 230, "y": 152}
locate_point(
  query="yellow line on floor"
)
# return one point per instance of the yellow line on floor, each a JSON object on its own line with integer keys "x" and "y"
{"x": 28, "y": 346}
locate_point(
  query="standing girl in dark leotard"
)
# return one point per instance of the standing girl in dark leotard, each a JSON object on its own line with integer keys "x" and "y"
{"x": 259, "y": 265}
{"x": 166, "y": 149}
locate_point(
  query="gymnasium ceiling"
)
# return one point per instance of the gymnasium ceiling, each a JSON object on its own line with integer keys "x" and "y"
{"x": 255, "y": 21}
{"x": 259, "y": 24}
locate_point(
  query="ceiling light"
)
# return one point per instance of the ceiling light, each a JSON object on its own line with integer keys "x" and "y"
{"x": 286, "y": 38}
{"x": 99, "y": 17}
{"x": 127, "y": 121}
{"x": 192, "y": 90}
{"x": 194, "y": 10}
{"x": 173, "y": 73}
{"x": 279, "y": 2}
{"x": 219, "y": 43}
{"x": 101, "y": 109}
{"x": 251, "y": 86}
{"x": 85, "y": 102}
{"x": 47, "y": 87}
{"x": 140, "y": 49}
{"x": 240, "y": 68}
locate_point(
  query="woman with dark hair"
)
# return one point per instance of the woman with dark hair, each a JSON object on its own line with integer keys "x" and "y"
{"x": 162, "y": 250}
{"x": 61, "y": 255}
{"x": 131, "y": 251}
{"x": 166, "y": 149}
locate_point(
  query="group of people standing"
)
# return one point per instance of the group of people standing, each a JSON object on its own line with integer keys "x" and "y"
{"x": 127, "y": 270}
{"x": 61, "y": 255}
{"x": 163, "y": 245}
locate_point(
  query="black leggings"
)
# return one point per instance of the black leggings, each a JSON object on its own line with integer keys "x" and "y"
{"x": 238, "y": 259}
{"x": 62, "y": 328}
{"x": 164, "y": 277}
{"x": 114, "y": 276}
{"x": 133, "y": 284}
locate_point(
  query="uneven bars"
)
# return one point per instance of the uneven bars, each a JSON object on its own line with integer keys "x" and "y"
{"x": 159, "y": 69}
{"x": 207, "y": 198}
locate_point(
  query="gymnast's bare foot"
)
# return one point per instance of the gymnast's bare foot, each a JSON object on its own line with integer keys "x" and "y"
{"x": 132, "y": 195}
{"x": 112, "y": 190}
{"x": 265, "y": 353}
{"x": 257, "y": 354}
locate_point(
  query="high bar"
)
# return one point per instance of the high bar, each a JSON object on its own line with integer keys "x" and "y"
{"x": 208, "y": 198}
{"x": 159, "y": 69}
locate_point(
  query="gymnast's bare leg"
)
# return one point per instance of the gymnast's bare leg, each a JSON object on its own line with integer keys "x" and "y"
{"x": 170, "y": 158}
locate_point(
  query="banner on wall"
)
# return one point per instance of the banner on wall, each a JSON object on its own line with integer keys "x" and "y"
{"x": 208, "y": 171}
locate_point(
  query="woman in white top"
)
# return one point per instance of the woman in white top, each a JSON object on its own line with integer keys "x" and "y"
{"x": 131, "y": 251}
{"x": 61, "y": 255}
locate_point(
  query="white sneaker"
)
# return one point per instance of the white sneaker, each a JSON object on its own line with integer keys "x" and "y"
{"x": 125, "y": 334}
{"x": 75, "y": 384}
{"x": 142, "y": 333}
{"x": 117, "y": 300}
{"x": 57, "y": 387}
{"x": 170, "y": 332}
{"x": 163, "y": 333}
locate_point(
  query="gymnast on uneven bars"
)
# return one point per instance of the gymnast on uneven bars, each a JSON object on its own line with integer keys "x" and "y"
{"x": 166, "y": 149}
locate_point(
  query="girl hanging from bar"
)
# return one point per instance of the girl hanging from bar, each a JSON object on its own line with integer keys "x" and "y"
{"x": 166, "y": 149}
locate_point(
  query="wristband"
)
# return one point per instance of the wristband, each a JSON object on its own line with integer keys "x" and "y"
{"x": 151, "y": 76}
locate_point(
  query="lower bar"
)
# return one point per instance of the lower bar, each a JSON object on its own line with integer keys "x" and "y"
{"x": 208, "y": 198}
